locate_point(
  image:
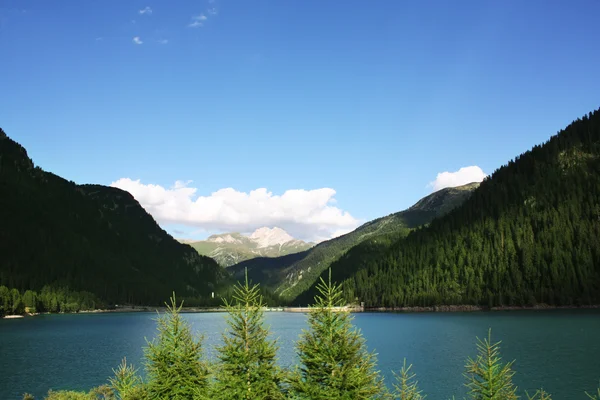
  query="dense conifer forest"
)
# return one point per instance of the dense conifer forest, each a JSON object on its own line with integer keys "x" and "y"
{"x": 529, "y": 234}
{"x": 89, "y": 238}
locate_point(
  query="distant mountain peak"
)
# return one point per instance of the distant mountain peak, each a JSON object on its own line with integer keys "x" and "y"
{"x": 265, "y": 237}
{"x": 231, "y": 248}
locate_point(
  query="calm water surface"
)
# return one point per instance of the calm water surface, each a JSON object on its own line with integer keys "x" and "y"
{"x": 559, "y": 350}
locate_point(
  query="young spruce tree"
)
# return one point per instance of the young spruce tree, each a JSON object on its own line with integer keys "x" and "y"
{"x": 247, "y": 368}
{"x": 335, "y": 363}
{"x": 488, "y": 378}
{"x": 126, "y": 383}
{"x": 174, "y": 365}
{"x": 406, "y": 386}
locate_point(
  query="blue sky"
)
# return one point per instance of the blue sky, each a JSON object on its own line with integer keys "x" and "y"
{"x": 370, "y": 99}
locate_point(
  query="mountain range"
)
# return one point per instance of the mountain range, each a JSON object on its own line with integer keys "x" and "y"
{"x": 231, "y": 248}
{"x": 528, "y": 234}
{"x": 290, "y": 275}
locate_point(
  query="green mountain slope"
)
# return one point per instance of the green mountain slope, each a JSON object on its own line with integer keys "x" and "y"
{"x": 292, "y": 275}
{"x": 529, "y": 234}
{"x": 89, "y": 237}
{"x": 231, "y": 248}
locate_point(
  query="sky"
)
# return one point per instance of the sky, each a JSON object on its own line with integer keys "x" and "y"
{"x": 313, "y": 116}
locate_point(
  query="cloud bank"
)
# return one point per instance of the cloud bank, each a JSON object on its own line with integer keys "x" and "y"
{"x": 457, "y": 178}
{"x": 305, "y": 214}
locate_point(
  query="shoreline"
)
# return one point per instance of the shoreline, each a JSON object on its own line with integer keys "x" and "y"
{"x": 472, "y": 308}
{"x": 352, "y": 309}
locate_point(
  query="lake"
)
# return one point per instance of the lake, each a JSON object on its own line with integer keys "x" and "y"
{"x": 556, "y": 349}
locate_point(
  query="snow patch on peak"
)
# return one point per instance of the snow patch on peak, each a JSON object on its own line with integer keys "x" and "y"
{"x": 265, "y": 237}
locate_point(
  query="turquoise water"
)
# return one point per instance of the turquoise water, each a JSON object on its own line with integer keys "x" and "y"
{"x": 559, "y": 350}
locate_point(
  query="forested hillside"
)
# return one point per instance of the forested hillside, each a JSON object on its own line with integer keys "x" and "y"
{"x": 529, "y": 234}
{"x": 291, "y": 275}
{"x": 89, "y": 238}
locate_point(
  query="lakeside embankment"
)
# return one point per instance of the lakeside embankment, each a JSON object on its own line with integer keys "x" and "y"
{"x": 470, "y": 308}
{"x": 352, "y": 309}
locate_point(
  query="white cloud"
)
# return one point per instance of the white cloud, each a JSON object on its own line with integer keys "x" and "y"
{"x": 461, "y": 177}
{"x": 137, "y": 40}
{"x": 146, "y": 10}
{"x": 198, "y": 20}
{"x": 305, "y": 214}
{"x": 163, "y": 41}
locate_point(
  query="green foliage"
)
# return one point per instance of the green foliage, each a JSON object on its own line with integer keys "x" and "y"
{"x": 528, "y": 235}
{"x": 594, "y": 396}
{"x": 247, "y": 367}
{"x": 127, "y": 383}
{"x": 406, "y": 386}
{"x": 30, "y": 301}
{"x": 50, "y": 299}
{"x": 335, "y": 363}
{"x": 89, "y": 238}
{"x": 5, "y": 301}
{"x": 16, "y": 305}
{"x": 540, "y": 394}
{"x": 174, "y": 363}
{"x": 100, "y": 393}
{"x": 488, "y": 378}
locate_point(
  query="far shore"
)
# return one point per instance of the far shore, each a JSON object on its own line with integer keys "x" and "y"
{"x": 471, "y": 308}
{"x": 352, "y": 309}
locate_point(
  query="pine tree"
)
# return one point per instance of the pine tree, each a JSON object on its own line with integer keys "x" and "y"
{"x": 594, "y": 396}
{"x": 174, "y": 363}
{"x": 406, "y": 386}
{"x": 127, "y": 383}
{"x": 489, "y": 378}
{"x": 335, "y": 363}
{"x": 539, "y": 395}
{"x": 247, "y": 368}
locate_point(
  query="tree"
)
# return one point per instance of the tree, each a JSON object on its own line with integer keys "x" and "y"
{"x": 488, "y": 377}
{"x": 406, "y": 386}
{"x": 30, "y": 301}
{"x": 127, "y": 383}
{"x": 594, "y": 396}
{"x": 4, "y": 300}
{"x": 16, "y": 303}
{"x": 174, "y": 363}
{"x": 335, "y": 363}
{"x": 539, "y": 395}
{"x": 247, "y": 368}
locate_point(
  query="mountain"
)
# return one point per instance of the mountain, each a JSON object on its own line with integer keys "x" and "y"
{"x": 231, "y": 248}
{"x": 529, "y": 234}
{"x": 291, "y": 275}
{"x": 89, "y": 238}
